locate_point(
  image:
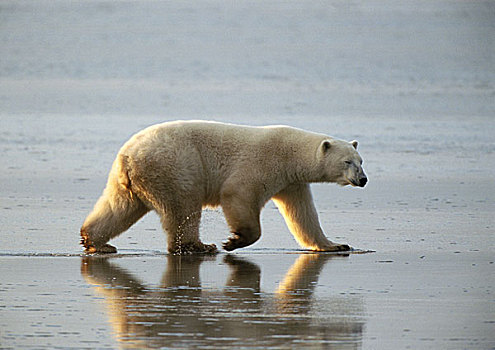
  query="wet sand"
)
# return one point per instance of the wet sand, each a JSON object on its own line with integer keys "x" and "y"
{"x": 255, "y": 299}
{"x": 414, "y": 84}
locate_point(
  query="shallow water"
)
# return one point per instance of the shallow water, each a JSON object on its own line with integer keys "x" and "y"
{"x": 414, "y": 84}
{"x": 248, "y": 300}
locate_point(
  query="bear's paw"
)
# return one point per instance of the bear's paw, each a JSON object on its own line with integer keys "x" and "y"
{"x": 194, "y": 248}
{"x": 335, "y": 248}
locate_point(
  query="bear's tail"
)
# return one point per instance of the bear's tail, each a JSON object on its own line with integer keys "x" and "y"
{"x": 114, "y": 212}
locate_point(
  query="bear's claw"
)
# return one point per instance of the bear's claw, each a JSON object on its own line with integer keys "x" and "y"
{"x": 105, "y": 249}
{"x": 343, "y": 247}
{"x": 336, "y": 248}
{"x": 232, "y": 243}
{"x": 89, "y": 248}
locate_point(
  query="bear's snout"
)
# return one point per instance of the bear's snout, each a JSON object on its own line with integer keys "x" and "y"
{"x": 363, "y": 181}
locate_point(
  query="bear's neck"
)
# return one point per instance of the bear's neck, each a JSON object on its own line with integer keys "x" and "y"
{"x": 304, "y": 165}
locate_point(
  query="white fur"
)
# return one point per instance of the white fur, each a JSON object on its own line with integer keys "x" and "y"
{"x": 178, "y": 168}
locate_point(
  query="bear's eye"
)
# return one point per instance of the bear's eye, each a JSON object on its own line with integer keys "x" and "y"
{"x": 348, "y": 162}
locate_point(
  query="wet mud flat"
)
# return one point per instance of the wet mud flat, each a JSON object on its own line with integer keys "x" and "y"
{"x": 429, "y": 284}
{"x": 427, "y": 212}
{"x": 257, "y": 299}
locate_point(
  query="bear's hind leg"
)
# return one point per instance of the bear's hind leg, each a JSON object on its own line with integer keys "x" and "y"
{"x": 113, "y": 213}
{"x": 183, "y": 232}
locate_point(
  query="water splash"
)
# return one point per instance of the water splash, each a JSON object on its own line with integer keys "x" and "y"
{"x": 191, "y": 222}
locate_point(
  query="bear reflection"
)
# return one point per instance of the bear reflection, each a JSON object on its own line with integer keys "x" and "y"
{"x": 180, "y": 313}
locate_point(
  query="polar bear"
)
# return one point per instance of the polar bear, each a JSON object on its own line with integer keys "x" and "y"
{"x": 178, "y": 168}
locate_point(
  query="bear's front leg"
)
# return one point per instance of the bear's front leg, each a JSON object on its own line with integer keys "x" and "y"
{"x": 296, "y": 205}
{"x": 243, "y": 218}
{"x": 241, "y": 238}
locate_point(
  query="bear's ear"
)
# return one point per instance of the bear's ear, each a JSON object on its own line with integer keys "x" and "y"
{"x": 354, "y": 144}
{"x": 326, "y": 145}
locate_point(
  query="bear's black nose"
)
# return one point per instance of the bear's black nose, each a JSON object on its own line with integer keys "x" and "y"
{"x": 363, "y": 181}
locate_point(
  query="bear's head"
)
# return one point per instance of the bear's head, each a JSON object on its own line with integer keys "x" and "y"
{"x": 341, "y": 163}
